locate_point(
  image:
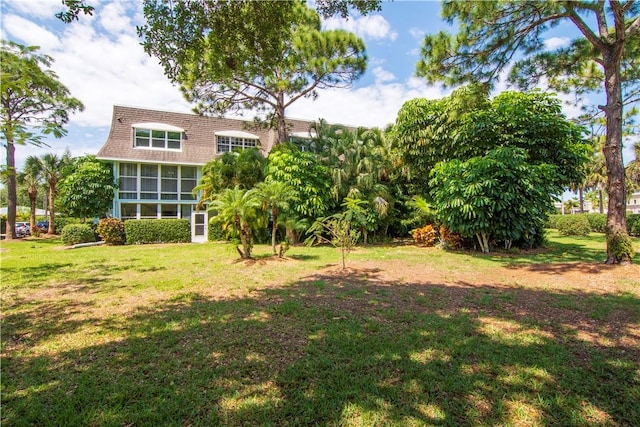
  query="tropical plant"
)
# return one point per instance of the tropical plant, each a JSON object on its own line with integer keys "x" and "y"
{"x": 238, "y": 210}
{"x": 88, "y": 190}
{"x": 33, "y": 104}
{"x": 53, "y": 167}
{"x": 276, "y": 197}
{"x": 491, "y": 34}
{"x": 31, "y": 176}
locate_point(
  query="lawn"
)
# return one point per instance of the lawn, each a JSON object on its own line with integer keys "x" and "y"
{"x": 188, "y": 335}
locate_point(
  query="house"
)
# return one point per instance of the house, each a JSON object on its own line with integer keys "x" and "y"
{"x": 633, "y": 203}
{"x": 157, "y": 158}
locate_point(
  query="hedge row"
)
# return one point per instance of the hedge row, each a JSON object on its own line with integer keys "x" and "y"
{"x": 581, "y": 224}
{"x": 157, "y": 231}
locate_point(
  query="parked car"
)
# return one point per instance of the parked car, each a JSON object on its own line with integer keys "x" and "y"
{"x": 42, "y": 226}
{"x": 23, "y": 229}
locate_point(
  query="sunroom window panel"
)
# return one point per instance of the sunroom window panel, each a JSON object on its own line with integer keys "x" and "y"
{"x": 128, "y": 211}
{"x": 148, "y": 210}
{"x": 149, "y": 170}
{"x": 128, "y": 169}
{"x": 169, "y": 211}
{"x": 170, "y": 172}
{"x": 188, "y": 172}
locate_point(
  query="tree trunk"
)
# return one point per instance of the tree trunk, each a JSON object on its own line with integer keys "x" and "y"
{"x": 12, "y": 196}
{"x": 483, "y": 240}
{"x": 581, "y": 200}
{"x": 601, "y": 200}
{"x": 616, "y": 216}
{"x": 281, "y": 125}
{"x": 52, "y": 208}
{"x": 274, "y": 229}
{"x": 33, "y": 197}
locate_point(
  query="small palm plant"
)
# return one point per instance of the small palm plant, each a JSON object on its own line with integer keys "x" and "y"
{"x": 238, "y": 210}
{"x": 275, "y": 197}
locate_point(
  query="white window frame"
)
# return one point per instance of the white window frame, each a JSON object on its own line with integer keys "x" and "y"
{"x": 158, "y": 133}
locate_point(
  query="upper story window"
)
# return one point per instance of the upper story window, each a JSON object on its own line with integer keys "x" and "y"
{"x": 235, "y": 140}
{"x": 304, "y": 140}
{"x": 157, "y": 136}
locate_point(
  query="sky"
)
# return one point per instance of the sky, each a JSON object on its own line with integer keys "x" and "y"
{"x": 100, "y": 59}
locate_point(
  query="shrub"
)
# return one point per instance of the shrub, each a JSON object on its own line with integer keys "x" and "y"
{"x": 449, "y": 239}
{"x": 111, "y": 230}
{"x": 597, "y": 222}
{"x": 141, "y": 231}
{"x": 61, "y": 222}
{"x": 573, "y": 225}
{"x": 552, "y": 221}
{"x": 620, "y": 245}
{"x": 633, "y": 225}
{"x": 425, "y": 236}
{"x": 216, "y": 232}
{"x": 73, "y": 234}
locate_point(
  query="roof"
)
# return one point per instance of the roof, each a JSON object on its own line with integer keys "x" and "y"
{"x": 198, "y": 135}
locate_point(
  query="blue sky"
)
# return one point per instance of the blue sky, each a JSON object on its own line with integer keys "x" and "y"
{"x": 99, "y": 58}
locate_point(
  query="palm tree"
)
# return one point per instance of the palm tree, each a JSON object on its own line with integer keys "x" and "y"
{"x": 31, "y": 176}
{"x": 633, "y": 170}
{"x": 238, "y": 209}
{"x": 275, "y": 196}
{"x": 52, "y": 167}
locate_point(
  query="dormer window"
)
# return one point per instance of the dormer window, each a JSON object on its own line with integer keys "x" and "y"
{"x": 235, "y": 140}
{"x": 157, "y": 136}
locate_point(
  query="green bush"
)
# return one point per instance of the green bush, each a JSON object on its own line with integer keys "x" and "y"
{"x": 111, "y": 230}
{"x": 141, "y": 231}
{"x": 73, "y": 234}
{"x": 62, "y": 221}
{"x": 573, "y": 225}
{"x": 597, "y": 222}
{"x": 620, "y": 246}
{"x": 552, "y": 221}
{"x": 216, "y": 232}
{"x": 633, "y": 225}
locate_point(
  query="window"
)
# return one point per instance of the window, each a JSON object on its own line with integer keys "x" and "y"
{"x": 128, "y": 181}
{"x": 149, "y": 182}
{"x": 169, "y": 211}
{"x": 149, "y": 211}
{"x": 169, "y": 186}
{"x": 230, "y": 141}
{"x": 187, "y": 182}
{"x": 158, "y": 139}
{"x": 128, "y": 211}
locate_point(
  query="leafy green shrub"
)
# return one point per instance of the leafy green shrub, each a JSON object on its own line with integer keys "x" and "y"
{"x": 552, "y": 221}
{"x": 573, "y": 225}
{"x": 111, "y": 230}
{"x": 633, "y": 225}
{"x": 425, "y": 236}
{"x": 597, "y": 222}
{"x": 141, "y": 231}
{"x": 62, "y": 221}
{"x": 216, "y": 232}
{"x": 449, "y": 239}
{"x": 73, "y": 234}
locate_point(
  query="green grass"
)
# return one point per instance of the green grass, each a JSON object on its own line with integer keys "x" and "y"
{"x": 188, "y": 335}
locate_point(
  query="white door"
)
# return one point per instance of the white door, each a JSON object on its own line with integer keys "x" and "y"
{"x": 199, "y": 228}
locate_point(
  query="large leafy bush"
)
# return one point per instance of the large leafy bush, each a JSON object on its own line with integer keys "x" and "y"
{"x": 73, "y": 234}
{"x": 141, "y": 231}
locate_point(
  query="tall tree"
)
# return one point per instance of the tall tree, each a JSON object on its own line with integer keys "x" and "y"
{"x": 262, "y": 72}
{"x": 31, "y": 176}
{"x": 52, "y": 167}
{"x": 88, "y": 190}
{"x": 276, "y": 197}
{"x": 33, "y": 104}
{"x": 492, "y": 33}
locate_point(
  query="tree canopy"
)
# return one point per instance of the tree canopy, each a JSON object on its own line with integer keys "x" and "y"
{"x": 33, "y": 104}
{"x": 494, "y": 35}
{"x": 245, "y": 55}
{"x": 87, "y": 191}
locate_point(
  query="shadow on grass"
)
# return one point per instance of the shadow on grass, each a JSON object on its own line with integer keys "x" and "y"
{"x": 344, "y": 348}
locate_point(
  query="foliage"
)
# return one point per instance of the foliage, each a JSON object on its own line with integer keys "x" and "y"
{"x": 467, "y": 124}
{"x": 500, "y": 196}
{"x": 73, "y": 234}
{"x": 450, "y": 239}
{"x": 111, "y": 230}
{"x": 238, "y": 211}
{"x": 33, "y": 104}
{"x": 62, "y": 222}
{"x": 335, "y": 230}
{"x": 259, "y": 67}
{"x": 244, "y": 168}
{"x": 425, "y": 236}
{"x": 275, "y": 197}
{"x": 88, "y": 191}
{"x": 31, "y": 177}
{"x": 492, "y": 33}
{"x": 53, "y": 168}
{"x": 552, "y": 221}
{"x": 142, "y": 231}
{"x": 597, "y": 222}
{"x": 573, "y": 225}
{"x": 72, "y": 9}
{"x": 309, "y": 179}
{"x": 633, "y": 225}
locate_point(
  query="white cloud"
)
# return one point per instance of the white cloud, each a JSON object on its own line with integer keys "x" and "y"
{"x": 29, "y": 33}
{"x": 556, "y": 42}
{"x": 37, "y": 8}
{"x": 373, "y": 27}
{"x": 417, "y": 33}
{"x": 382, "y": 75}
